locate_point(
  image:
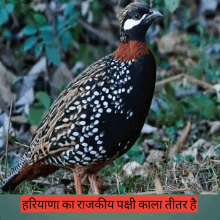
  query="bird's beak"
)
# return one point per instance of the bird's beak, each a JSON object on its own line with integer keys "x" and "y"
{"x": 154, "y": 14}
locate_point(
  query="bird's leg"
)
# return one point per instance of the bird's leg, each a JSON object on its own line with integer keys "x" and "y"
{"x": 94, "y": 189}
{"x": 78, "y": 184}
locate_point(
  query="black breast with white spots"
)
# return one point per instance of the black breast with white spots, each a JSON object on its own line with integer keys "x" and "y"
{"x": 106, "y": 119}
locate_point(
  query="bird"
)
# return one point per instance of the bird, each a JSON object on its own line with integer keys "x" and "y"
{"x": 100, "y": 114}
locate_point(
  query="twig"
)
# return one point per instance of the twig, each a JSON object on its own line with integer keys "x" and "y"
{"x": 164, "y": 191}
{"x": 23, "y": 145}
{"x": 150, "y": 3}
{"x": 15, "y": 20}
{"x": 43, "y": 181}
{"x": 101, "y": 36}
{"x": 202, "y": 83}
{"x": 210, "y": 91}
{"x": 49, "y": 13}
{"x": 182, "y": 141}
{"x": 6, "y": 158}
{"x": 182, "y": 94}
{"x": 216, "y": 146}
{"x": 170, "y": 79}
{"x": 119, "y": 3}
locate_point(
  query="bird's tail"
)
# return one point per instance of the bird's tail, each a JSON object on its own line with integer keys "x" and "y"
{"x": 24, "y": 171}
{"x": 14, "y": 178}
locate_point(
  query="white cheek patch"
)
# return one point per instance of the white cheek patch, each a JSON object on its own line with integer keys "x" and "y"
{"x": 130, "y": 23}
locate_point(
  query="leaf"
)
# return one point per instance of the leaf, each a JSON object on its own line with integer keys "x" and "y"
{"x": 190, "y": 158}
{"x": 179, "y": 158}
{"x": 29, "y": 30}
{"x": 69, "y": 9}
{"x": 36, "y": 114}
{"x": 85, "y": 8}
{"x": 66, "y": 40}
{"x": 169, "y": 90}
{"x": 181, "y": 62}
{"x": 60, "y": 19}
{"x": 44, "y": 99}
{"x": 177, "y": 107}
{"x": 53, "y": 55}
{"x": 96, "y": 9}
{"x": 122, "y": 189}
{"x": 40, "y": 20}
{"x": 3, "y": 16}
{"x": 134, "y": 151}
{"x": 48, "y": 37}
{"x": 135, "y": 154}
{"x": 29, "y": 43}
{"x": 196, "y": 71}
{"x": 140, "y": 159}
{"x": 7, "y": 33}
{"x": 38, "y": 50}
{"x": 10, "y": 8}
{"x": 46, "y": 28}
{"x": 172, "y": 4}
{"x": 170, "y": 131}
{"x": 72, "y": 20}
{"x": 203, "y": 105}
{"x": 61, "y": 22}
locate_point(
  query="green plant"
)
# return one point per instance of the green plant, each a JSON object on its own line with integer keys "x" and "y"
{"x": 52, "y": 37}
{"x": 6, "y": 9}
{"x": 39, "y": 108}
{"x": 202, "y": 105}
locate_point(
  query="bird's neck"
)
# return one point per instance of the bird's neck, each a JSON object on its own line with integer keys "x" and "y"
{"x": 130, "y": 50}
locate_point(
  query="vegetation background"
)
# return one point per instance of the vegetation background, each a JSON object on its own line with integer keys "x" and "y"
{"x": 45, "y": 44}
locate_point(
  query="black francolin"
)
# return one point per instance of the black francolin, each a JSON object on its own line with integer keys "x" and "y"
{"x": 99, "y": 116}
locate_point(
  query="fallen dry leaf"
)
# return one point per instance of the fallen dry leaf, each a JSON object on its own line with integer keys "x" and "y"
{"x": 158, "y": 186}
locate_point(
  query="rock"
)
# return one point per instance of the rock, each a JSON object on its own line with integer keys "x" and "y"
{"x": 155, "y": 156}
{"x": 201, "y": 143}
{"x": 214, "y": 127}
{"x": 148, "y": 144}
{"x": 26, "y": 94}
{"x": 135, "y": 169}
{"x": 201, "y": 150}
{"x": 4, "y": 122}
{"x": 32, "y": 75}
{"x": 58, "y": 190}
{"x": 78, "y": 66}
{"x": 214, "y": 50}
{"x": 147, "y": 129}
{"x": 191, "y": 152}
{"x": 210, "y": 5}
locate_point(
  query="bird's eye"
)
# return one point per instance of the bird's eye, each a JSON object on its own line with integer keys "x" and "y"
{"x": 137, "y": 16}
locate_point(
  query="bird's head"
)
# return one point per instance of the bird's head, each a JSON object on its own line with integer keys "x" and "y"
{"x": 135, "y": 20}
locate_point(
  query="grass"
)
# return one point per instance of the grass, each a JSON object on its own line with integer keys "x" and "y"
{"x": 184, "y": 177}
